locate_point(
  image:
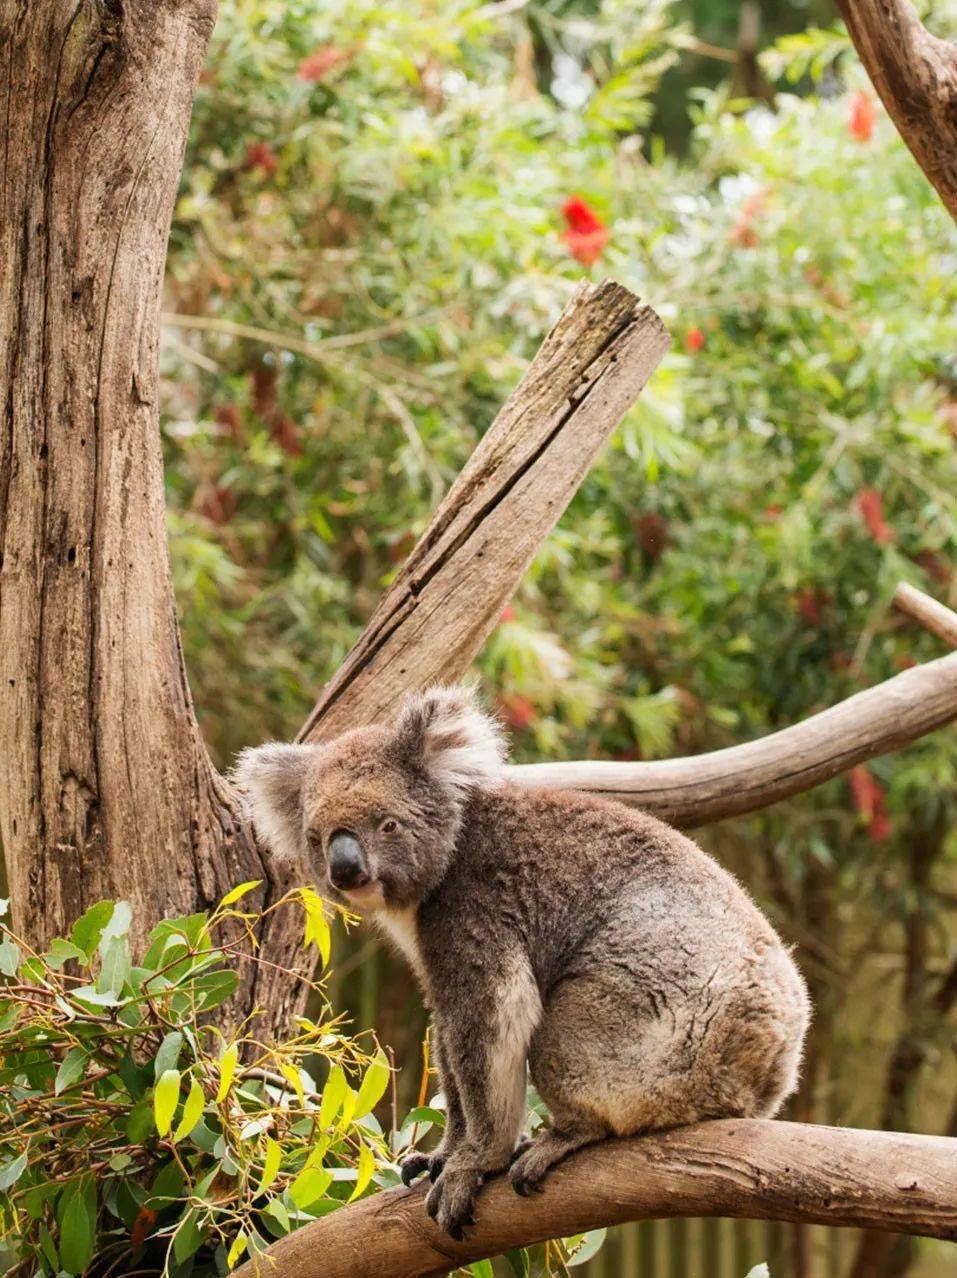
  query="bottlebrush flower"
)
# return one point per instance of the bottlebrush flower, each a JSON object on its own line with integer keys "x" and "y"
{"x": 517, "y": 711}
{"x": 317, "y": 65}
{"x": 694, "y": 339}
{"x": 861, "y": 116}
{"x": 868, "y": 799}
{"x": 587, "y": 234}
{"x": 260, "y": 155}
{"x": 871, "y": 509}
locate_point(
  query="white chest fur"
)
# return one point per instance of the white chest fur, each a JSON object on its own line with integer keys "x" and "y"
{"x": 401, "y": 929}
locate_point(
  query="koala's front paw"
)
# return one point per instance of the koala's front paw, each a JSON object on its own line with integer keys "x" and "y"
{"x": 415, "y": 1164}
{"x": 451, "y": 1200}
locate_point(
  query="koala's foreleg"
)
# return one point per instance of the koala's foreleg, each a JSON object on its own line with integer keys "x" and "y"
{"x": 485, "y": 1044}
{"x": 417, "y": 1163}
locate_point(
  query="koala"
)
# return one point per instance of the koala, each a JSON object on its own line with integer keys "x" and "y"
{"x": 553, "y": 933}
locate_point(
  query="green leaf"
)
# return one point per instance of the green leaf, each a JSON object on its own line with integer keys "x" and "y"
{"x": 11, "y": 1172}
{"x": 99, "y": 998}
{"x": 309, "y": 1186}
{"x": 77, "y": 1217}
{"x": 364, "y": 1171}
{"x": 590, "y": 1244}
{"x": 424, "y": 1114}
{"x": 118, "y": 924}
{"x": 277, "y": 1210}
{"x": 139, "y": 1122}
{"x": 519, "y": 1262}
{"x": 271, "y": 1165}
{"x": 9, "y": 957}
{"x": 115, "y": 964}
{"x": 167, "y": 1055}
{"x": 189, "y": 1236}
{"x": 373, "y": 1085}
{"x": 213, "y": 988}
{"x": 482, "y": 1269}
{"x": 236, "y": 1250}
{"x": 88, "y": 929}
{"x": 192, "y": 1111}
{"x": 72, "y": 1067}
{"x": 165, "y": 1100}
{"x": 227, "y": 1068}
{"x": 62, "y": 951}
{"x": 239, "y": 892}
{"x": 333, "y": 1095}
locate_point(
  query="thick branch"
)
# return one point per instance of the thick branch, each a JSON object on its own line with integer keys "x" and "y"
{"x": 916, "y": 77}
{"x": 453, "y": 587}
{"x": 709, "y": 787}
{"x": 751, "y": 1169}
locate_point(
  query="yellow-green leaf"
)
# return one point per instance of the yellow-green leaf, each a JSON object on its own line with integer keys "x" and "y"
{"x": 192, "y": 1111}
{"x": 365, "y": 1169}
{"x": 232, "y": 897}
{"x": 309, "y": 1186}
{"x": 317, "y": 928}
{"x": 227, "y": 1069}
{"x": 333, "y": 1094}
{"x": 373, "y": 1085}
{"x": 291, "y": 1075}
{"x": 236, "y": 1250}
{"x": 270, "y": 1164}
{"x": 165, "y": 1100}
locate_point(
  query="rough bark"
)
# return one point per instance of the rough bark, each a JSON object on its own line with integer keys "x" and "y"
{"x": 709, "y": 787}
{"x": 754, "y": 1169}
{"x": 105, "y": 786}
{"x": 915, "y": 75}
{"x": 453, "y": 587}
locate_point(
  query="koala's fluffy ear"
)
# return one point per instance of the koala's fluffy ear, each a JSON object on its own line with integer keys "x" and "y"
{"x": 447, "y": 731}
{"x": 271, "y": 778}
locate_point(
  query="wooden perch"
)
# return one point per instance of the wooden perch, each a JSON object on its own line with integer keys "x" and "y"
{"x": 746, "y": 1168}
{"x": 916, "y": 76}
{"x": 451, "y": 590}
{"x": 709, "y": 787}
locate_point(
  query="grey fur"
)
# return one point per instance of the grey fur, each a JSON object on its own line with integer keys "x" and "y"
{"x": 630, "y": 972}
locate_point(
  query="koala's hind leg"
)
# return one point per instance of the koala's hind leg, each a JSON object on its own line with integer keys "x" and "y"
{"x": 570, "y": 1129}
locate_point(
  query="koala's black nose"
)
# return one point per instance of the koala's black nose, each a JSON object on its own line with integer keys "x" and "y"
{"x": 347, "y": 864}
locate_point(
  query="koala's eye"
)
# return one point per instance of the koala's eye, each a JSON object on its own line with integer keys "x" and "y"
{"x": 389, "y": 826}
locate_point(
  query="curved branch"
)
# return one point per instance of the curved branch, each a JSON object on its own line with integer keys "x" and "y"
{"x": 746, "y": 1168}
{"x": 931, "y": 613}
{"x": 709, "y": 787}
{"x": 915, "y": 74}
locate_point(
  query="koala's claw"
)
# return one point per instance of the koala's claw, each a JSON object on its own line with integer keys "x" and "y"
{"x": 413, "y": 1166}
{"x": 528, "y": 1170}
{"x": 451, "y": 1200}
{"x": 436, "y": 1167}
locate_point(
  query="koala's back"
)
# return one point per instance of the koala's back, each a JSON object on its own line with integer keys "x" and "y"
{"x": 666, "y": 995}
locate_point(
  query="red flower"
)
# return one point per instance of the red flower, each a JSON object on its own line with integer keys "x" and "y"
{"x": 260, "y": 155}
{"x": 868, "y": 799}
{"x": 694, "y": 339}
{"x": 652, "y": 530}
{"x": 508, "y": 614}
{"x": 219, "y": 504}
{"x": 587, "y": 234}
{"x": 811, "y": 602}
{"x": 743, "y": 231}
{"x": 285, "y": 432}
{"x": 871, "y": 507}
{"x": 861, "y": 116}
{"x": 517, "y": 711}
{"x": 263, "y": 389}
{"x": 227, "y": 417}
{"x": 320, "y": 62}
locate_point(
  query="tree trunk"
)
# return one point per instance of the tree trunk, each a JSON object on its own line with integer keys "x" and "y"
{"x": 106, "y": 786}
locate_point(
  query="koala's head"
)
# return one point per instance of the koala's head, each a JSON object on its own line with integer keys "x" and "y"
{"x": 376, "y": 812}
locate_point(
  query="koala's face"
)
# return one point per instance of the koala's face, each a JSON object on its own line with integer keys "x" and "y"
{"x": 375, "y": 813}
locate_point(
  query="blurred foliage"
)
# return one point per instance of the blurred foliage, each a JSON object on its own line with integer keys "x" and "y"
{"x": 368, "y": 248}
